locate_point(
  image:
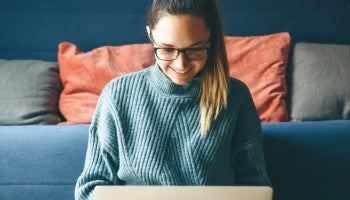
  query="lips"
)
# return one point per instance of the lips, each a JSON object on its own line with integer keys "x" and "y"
{"x": 182, "y": 72}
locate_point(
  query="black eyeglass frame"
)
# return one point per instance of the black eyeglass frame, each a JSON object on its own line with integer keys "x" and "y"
{"x": 155, "y": 49}
{"x": 184, "y": 51}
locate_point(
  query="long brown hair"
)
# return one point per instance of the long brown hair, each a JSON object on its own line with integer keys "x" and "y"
{"x": 214, "y": 85}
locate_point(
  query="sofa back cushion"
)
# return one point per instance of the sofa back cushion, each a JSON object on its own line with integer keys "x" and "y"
{"x": 320, "y": 85}
{"x": 84, "y": 74}
{"x": 260, "y": 62}
{"x": 29, "y": 92}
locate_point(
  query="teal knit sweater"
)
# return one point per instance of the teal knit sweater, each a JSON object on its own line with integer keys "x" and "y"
{"x": 146, "y": 131}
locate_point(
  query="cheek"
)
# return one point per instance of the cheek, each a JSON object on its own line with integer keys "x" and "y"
{"x": 201, "y": 64}
{"x": 198, "y": 65}
{"x": 162, "y": 63}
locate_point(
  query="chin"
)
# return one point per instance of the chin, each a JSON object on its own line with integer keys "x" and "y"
{"x": 180, "y": 82}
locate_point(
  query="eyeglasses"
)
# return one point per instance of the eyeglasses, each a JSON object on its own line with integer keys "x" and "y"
{"x": 170, "y": 54}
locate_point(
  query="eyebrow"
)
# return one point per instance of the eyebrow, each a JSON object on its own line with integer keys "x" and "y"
{"x": 192, "y": 45}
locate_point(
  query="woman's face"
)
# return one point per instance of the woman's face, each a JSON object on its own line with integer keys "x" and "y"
{"x": 181, "y": 32}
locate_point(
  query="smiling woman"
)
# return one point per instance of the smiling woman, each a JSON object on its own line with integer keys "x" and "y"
{"x": 182, "y": 121}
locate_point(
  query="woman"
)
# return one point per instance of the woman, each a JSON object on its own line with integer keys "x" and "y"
{"x": 182, "y": 121}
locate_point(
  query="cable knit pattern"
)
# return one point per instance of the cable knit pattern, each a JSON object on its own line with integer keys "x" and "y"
{"x": 146, "y": 131}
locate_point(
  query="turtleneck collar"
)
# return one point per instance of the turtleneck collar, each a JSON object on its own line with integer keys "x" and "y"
{"x": 163, "y": 84}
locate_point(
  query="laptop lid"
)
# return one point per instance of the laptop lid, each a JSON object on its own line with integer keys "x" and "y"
{"x": 183, "y": 193}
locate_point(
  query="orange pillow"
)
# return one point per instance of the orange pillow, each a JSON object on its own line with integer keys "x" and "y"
{"x": 84, "y": 74}
{"x": 260, "y": 62}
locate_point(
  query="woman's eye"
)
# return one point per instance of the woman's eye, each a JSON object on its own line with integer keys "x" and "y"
{"x": 168, "y": 50}
{"x": 194, "y": 50}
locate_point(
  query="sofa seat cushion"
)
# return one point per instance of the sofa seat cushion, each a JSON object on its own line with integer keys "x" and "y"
{"x": 310, "y": 157}
{"x": 41, "y": 160}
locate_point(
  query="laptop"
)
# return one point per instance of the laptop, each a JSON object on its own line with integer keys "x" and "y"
{"x": 183, "y": 193}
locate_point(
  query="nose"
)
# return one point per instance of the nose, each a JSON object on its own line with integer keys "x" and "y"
{"x": 181, "y": 61}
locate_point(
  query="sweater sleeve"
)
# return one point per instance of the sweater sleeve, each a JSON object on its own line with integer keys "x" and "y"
{"x": 101, "y": 162}
{"x": 248, "y": 153}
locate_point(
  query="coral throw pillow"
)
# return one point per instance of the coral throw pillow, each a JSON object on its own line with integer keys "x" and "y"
{"x": 260, "y": 62}
{"x": 84, "y": 74}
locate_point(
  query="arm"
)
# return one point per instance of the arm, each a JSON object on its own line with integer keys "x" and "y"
{"x": 247, "y": 145}
{"x": 101, "y": 163}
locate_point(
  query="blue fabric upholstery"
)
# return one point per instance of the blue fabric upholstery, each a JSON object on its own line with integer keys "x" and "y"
{"x": 33, "y": 29}
{"x": 41, "y": 161}
{"x": 309, "y": 160}
{"x": 320, "y": 21}
{"x": 306, "y": 160}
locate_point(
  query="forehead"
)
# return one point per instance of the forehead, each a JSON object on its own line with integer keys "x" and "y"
{"x": 180, "y": 30}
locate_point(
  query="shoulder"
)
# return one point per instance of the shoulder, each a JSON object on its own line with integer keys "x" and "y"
{"x": 130, "y": 77}
{"x": 237, "y": 86}
{"x": 127, "y": 82}
{"x": 239, "y": 93}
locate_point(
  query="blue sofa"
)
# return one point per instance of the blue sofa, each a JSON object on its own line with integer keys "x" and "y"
{"x": 305, "y": 159}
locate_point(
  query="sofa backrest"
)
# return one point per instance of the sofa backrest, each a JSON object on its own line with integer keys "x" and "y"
{"x": 33, "y": 29}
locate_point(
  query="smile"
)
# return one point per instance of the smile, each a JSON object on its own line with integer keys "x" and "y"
{"x": 181, "y": 71}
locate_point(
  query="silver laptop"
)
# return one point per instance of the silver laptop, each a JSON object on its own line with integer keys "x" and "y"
{"x": 183, "y": 193}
